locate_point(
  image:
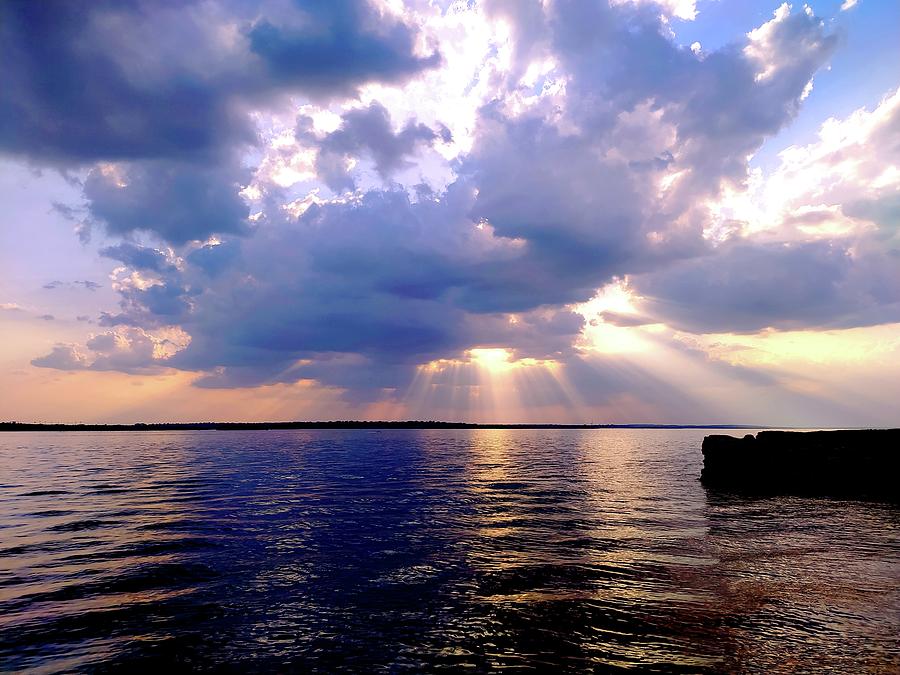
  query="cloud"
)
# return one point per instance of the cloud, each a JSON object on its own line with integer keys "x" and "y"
{"x": 113, "y": 81}
{"x": 843, "y": 184}
{"x": 66, "y": 211}
{"x": 681, "y": 9}
{"x": 178, "y": 202}
{"x": 816, "y": 241}
{"x": 138, "y": 257}
{"x": 337, "y": 46}
{"x": 149, "y": 303}
{"x": 319, "y": 289}
{"x": 73, "y": 94}
{"x": 625, "y": 320}
{"x": 128, "y": 350}
{"x": 62, "y": 357}
{"x": 85, "y": 284}
{"x": 745, "y": 287}
{"x": 215, "y": 259}
{"x": 621, "y": 158}
{"x": 604, "y": 150}
{"x": 368, "y": 132}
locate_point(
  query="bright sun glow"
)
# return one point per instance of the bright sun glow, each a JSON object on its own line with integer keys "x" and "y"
{"x": 488, "y": 384}
{"x": 493, "y": 359}
{"x": 613, "y": 321}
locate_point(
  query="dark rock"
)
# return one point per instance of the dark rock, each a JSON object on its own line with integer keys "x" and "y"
{"x": 858, "y": 463}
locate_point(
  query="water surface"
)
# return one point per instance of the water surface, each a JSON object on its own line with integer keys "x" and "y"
{"x": 421, "y": 551}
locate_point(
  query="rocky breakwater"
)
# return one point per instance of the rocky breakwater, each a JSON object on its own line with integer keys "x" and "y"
{"x": 862, "y": 463}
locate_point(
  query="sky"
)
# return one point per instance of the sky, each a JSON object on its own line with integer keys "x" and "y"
{"x": 672, "y": 211}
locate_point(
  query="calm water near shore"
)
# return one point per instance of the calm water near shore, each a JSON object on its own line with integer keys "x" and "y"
{"x": 419, "y": 551}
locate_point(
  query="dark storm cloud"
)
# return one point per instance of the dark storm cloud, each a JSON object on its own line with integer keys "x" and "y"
{"x": 135, "y": 80}
{"x": 214, "y": 259}
{"x": 365, "y": 309}
{"x": 179, "y": 202}
{"x": 579, "y": 217}
{"x": 336, "y": 46}
{"x": 166, "y": 90}
{"x": 71, "y": 93}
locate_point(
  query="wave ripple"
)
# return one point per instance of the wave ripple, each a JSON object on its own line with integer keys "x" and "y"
{"x": 427, "y": 550}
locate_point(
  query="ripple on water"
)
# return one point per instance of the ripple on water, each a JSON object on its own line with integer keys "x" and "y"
{"x": 353, "y": 551}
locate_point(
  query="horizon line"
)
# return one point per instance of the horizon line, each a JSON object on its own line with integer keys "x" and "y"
{"x": 14, "y": 425}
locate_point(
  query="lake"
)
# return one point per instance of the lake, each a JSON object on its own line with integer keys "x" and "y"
{"x": 422, "y": 551}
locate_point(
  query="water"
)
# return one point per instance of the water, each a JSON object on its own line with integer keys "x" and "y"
{"x": 420, "y": 551}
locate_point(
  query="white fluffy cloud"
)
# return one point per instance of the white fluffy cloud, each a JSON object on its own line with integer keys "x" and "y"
{"x": 813, "y": 243}
{"x": 846, "y": 183}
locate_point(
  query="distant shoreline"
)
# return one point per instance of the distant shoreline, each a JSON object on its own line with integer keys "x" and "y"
{"x": 342, "y": 424}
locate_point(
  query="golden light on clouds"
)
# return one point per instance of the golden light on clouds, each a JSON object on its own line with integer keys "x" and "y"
{"x": 500, "y": 360}
{"x": 495, "y": 360}
{"x": 486, "y": 384}
{"x": 774, "y": 348}
{"x": 614, "y": 323}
